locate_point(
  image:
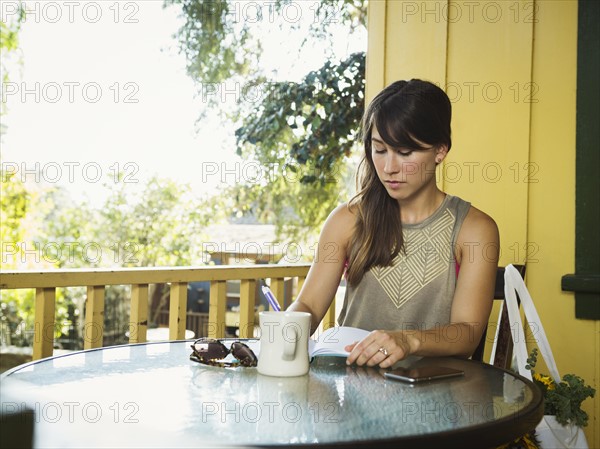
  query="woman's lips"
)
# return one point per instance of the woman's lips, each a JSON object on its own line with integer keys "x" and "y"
{"x": 392, "y": 184}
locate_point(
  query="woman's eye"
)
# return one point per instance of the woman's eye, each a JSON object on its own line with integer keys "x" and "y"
{"x": 405, "y": 153}
{"x": 379, "y": 150}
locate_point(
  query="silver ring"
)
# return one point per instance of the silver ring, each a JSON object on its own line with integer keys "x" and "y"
{"x": 383, "y": 351}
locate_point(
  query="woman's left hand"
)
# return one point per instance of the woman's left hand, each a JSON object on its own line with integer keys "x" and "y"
{"x": 381, "y": 348}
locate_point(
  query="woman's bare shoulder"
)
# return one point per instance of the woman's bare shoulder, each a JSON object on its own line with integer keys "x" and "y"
{"x": 344, "y": 211}
{"x": 341, "y": 221}
{"x": 478, "y": 226}
{"x": 478, "y": 239}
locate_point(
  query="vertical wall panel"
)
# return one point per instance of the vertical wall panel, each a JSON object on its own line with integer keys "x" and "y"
{"x": 488, "y": 82}
{"x": 415, "y": 41}
{"x": 551, "y": 214}
{"x": 375, "y": 49}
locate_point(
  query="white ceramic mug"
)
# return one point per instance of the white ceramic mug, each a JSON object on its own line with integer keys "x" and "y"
{"x": 284, "y": 343}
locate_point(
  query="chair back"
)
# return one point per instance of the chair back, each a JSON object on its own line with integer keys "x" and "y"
{"x": 504, "y": 344}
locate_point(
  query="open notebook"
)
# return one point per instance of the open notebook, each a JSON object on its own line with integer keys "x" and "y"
{"x": 333, "y": 340}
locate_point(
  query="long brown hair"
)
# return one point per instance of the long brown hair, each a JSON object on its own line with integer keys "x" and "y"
{"x": 403, "y": 113}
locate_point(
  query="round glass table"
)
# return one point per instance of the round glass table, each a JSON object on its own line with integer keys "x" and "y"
{"x": 152, "y": 395}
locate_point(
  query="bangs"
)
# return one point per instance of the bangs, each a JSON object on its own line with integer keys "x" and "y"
{"x": 394, "y": 127}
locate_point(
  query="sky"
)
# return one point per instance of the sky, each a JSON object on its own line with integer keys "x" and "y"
{"x": 102, "y": 88}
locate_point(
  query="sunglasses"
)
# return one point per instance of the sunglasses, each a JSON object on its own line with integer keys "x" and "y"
{"x": 209, "y": 351}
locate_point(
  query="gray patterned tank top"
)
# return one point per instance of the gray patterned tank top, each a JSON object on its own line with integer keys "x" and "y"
{"x": 416, "y": 291}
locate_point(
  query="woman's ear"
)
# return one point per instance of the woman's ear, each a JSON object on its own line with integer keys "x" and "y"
{"x": 440, "y": 153}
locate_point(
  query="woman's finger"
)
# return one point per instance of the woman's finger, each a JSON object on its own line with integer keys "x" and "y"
{"x": 368, "y": 352}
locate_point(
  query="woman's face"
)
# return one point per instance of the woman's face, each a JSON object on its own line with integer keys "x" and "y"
{"x": 404, "y": 172}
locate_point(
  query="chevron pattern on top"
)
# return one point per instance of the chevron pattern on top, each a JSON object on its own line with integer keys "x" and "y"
{"x": 428, "y": 252}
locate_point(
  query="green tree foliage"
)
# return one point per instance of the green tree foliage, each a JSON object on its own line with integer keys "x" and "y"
{"x": 220, "y": 40}
{"x": 160, "y": 224}
{"x": 302, "y": 141}
{"x": 14, "y": 205}
{"x": 209, "y": 30}
{"x": 306, "y": 128}
{"x": 37, "y": 237}
{"x": 15, "y": 306}
{"x": 42, "y": 228}
{"x": 310, "y": 124}
{"x": 14, "y": 202}
{"x": 295, "y": 208}
{"x": 9, "y": 35}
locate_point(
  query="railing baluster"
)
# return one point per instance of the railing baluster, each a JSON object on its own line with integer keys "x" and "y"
{"x": 278, "y": 289}
{"x": 247, "y": 301}
{"x": 43, "y": 341}
{"x": 216, "y": 309}
{"x": 46, "y": 282}
{"x": 138, "y": 322}
{"x": 93, "y": 331}
{"x": 177, "y": 310}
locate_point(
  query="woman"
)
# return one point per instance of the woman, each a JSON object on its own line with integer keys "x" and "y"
{"x": 420, "y": 264}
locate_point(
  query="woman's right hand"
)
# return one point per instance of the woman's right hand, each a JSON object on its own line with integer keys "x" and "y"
{"x": 383, "y": 348}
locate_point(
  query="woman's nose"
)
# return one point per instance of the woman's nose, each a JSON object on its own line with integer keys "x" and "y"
{"x": 392, "y": 164}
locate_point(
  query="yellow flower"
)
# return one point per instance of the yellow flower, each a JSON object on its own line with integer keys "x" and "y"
{"x": 546, "y": 380}
{"x": 529, "y": 442}
{"x": 523, "y": 442}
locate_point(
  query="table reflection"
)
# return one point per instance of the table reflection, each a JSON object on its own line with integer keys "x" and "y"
{"x": 138, "y": 394}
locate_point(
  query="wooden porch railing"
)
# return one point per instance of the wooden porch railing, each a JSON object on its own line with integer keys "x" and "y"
{"x": 46, "y": 282}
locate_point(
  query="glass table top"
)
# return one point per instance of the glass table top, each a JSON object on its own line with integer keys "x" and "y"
{"x": 152, "y": 395}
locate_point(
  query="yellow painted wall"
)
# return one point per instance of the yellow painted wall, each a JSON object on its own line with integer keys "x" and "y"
{"x": 509, "y": 68}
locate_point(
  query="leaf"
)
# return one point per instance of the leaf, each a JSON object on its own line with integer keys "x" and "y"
{"x": 316, "y": 123}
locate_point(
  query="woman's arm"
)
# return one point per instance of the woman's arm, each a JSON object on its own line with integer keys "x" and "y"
{"x": 326, "y": 271}
{"x": 477, "y": 253}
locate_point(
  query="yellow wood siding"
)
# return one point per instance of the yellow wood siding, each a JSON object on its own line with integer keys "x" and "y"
{"x": 551, "y": 212}
{"x": 509, "y": 69}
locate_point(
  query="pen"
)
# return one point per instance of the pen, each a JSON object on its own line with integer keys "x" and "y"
{"x": 271, "y": 298}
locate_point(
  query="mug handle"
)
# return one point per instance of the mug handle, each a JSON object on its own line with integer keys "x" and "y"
{"x": 289, "y": 346}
